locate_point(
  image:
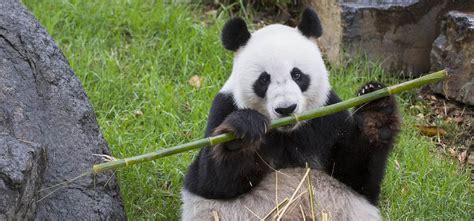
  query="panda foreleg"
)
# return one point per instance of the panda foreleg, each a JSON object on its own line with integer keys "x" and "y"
{"x": 378, "y": 124}
{"x": 359, "y": 159}
{"x": 228, "y": 170}
{"x": 238, "y": 158}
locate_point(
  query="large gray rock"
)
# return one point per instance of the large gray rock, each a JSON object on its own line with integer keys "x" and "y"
{"x": 454, "y": 50}
{"x": 397, "y": 33}
{"x": 21, "y": 171}
{"x": 48, "y": 130}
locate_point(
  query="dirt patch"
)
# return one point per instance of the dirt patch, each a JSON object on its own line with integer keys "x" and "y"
{"x": 449, "y": 124}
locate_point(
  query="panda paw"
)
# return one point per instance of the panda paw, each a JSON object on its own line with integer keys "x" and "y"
{"x": 377, "y": 119}
{"x": 370, "y": 87}
{"x": 386, "y": 104}
{"x": 249, "y": 126}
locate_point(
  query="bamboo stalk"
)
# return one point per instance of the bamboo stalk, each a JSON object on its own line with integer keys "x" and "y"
{"x": 311, "y": 114}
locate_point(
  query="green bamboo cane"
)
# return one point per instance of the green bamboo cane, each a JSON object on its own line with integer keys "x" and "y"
{"x": 311, "y": 114}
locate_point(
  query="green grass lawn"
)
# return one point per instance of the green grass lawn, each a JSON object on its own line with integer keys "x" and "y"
{"x": 134, "y": 56}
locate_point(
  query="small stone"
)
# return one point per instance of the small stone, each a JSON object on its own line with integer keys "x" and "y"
{"x": 196, "y": 81}
{"x": 471, "y": 159}
{"x": 462, "y": 156}
{"x": 138, "y": 113}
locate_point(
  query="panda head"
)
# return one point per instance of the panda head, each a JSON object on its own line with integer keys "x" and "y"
{"x": 277, "y": 70}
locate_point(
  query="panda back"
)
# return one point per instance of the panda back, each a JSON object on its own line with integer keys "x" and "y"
{"x": 331, "y": 198}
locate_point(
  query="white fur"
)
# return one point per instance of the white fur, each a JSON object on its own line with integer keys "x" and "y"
{"x": 277, "y": 49}
{"x": 330, "y": 197}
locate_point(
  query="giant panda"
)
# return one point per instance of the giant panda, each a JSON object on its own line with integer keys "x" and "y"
{"x": 278, "y": 71}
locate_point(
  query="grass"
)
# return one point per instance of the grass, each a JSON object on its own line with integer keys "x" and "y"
{"x": 137, "y": 56}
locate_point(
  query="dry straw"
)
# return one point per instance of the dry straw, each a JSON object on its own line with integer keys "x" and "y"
{"x": 327, "y": 110}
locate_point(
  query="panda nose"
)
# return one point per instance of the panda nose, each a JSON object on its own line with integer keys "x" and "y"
{"x": 286, "y": 111}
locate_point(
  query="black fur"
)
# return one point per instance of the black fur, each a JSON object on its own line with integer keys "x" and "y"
{"x": 376, "y": 125}
{"x": 216, "y": 176}
{"x": 260, "y": 86}
{"x": 354, "y": 152}
{"x": 310, "y": 25}
{"x": 235, "y": 34}
{"x": 303, "y": 80}
{"x": 222, "y": 106}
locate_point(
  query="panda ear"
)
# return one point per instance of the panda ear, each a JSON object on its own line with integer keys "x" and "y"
{"x": 235, "y": 34}
{"x": 310, "y": 25}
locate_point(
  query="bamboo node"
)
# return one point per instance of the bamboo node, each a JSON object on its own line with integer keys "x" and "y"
{"x": 210, "y": 141}
{"x": 297, "y": 118}
{"x": 126, "y": 162}
{"x": 390, "y": 90}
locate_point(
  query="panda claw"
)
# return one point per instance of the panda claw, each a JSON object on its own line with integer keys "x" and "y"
{"x": 369, "y": 87}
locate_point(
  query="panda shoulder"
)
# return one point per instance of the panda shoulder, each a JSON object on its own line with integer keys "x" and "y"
{"x": 224, "y": 100}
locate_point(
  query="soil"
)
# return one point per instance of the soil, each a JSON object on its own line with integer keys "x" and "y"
{"x": 454, "y": 122}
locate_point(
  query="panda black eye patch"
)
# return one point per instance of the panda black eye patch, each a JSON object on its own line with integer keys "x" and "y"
{"x": 261, "y": 84}
{"x": 301, "y": 79}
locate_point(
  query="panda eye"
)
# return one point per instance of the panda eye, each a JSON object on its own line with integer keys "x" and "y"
{"x": 301, "y": 79}
{"x": 264, "y": 78}
{"x": 296, "y": 74}
{"x": 260, "y": 86}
